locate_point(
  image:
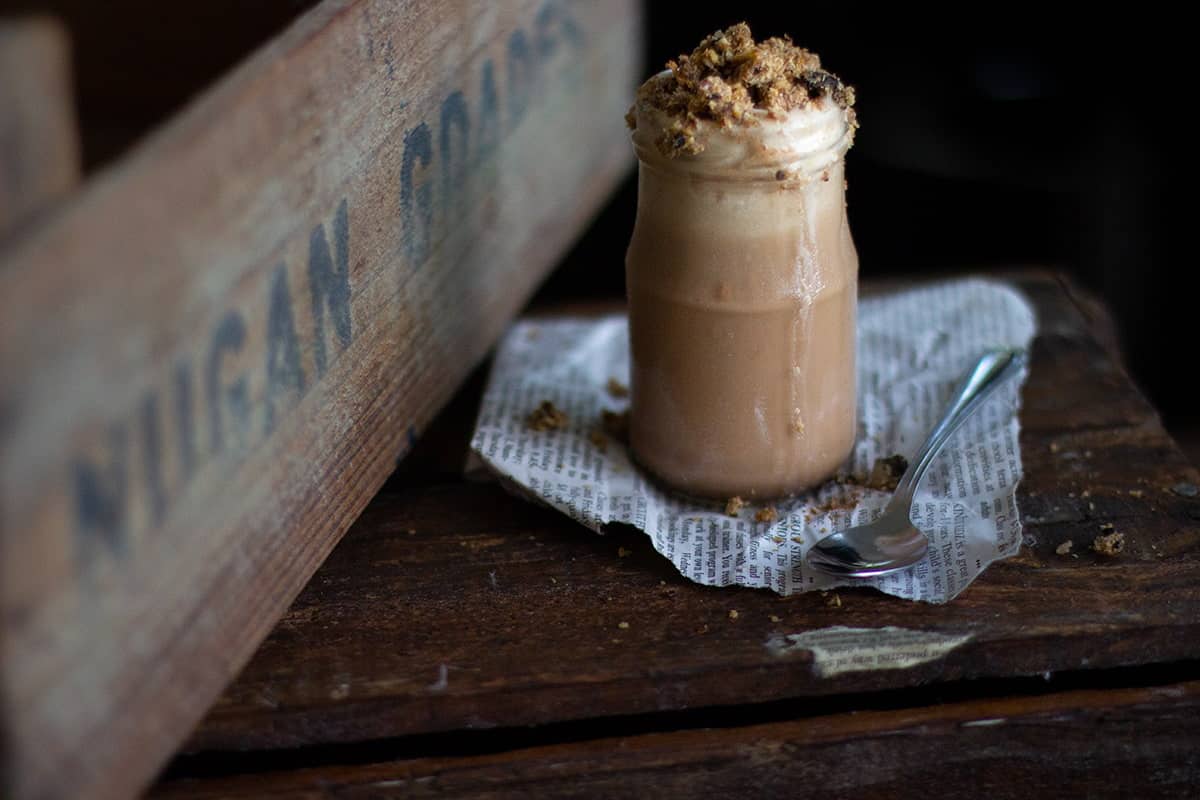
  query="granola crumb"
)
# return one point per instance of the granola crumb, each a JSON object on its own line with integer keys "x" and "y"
{"x": 887, "y": 472}
{"x": 547, "y": 417}
{"x": 623, "y": 625}
{"x": 775, "y": 618}
{"x": 412, "y": 531}
{"x": 1054, "y": 447}
{"x": 733, "y": 614}
{"x": 617, "y": 389}
{"x": 833, "y": 600}
{"x": 1137, "y": 494}
{"x": 734, "y": 505}
{"x": 728, "y": 76}
{"x": 623, "y": 551}
{"x": 1110, "y": 544}
{"x": 554, "y": 580}
{"x": 598, "y": 440}
{"x": 766, "y": 514}
{"x": 1064, "y": 548}
{"x": 847, "y": 500}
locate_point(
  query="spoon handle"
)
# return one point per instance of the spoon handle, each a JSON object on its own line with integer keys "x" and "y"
{"x": 993, "y": 368}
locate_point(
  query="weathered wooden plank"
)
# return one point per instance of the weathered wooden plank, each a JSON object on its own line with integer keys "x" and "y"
{"x": 1141, "y": 743}
{"x": 214, "y": 355}
{"x": 120, "y": 49}
{"x": 39, "y": 143}
{"x": 519, "y": 610}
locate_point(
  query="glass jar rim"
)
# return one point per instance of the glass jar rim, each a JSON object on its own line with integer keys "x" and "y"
{"x": 769, "y": 149}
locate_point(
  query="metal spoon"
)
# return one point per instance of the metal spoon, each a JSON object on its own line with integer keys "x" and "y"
{"x": 892, "y": 542}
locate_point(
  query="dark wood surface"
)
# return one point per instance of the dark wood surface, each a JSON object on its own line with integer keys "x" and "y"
{"x": 1124, "y": 742}
{"x": 453, "y": 614}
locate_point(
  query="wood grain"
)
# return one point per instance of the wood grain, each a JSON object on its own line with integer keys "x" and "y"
{"x": 519, "y": 609}
{"x": 214, "y": 356}
{"x": 39, "y": 142}
{"x": 1119, "y": 743}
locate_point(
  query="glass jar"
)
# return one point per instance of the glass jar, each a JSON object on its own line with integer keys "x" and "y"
{"x": 742, "y": 283}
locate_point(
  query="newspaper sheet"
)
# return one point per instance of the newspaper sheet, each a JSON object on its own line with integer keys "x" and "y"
{"x": 912, "y": 349}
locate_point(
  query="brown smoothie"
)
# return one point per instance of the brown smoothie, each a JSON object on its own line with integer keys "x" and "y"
{"x": 742, "y": 285}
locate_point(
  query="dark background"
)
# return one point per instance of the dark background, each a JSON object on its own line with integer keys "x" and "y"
{"x": 994, "y": 136}
{"x": 991, "y": 136}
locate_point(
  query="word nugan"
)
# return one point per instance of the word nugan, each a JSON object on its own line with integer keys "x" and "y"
{"x": 206, "y": 393}
{"x": 227, "y": 394}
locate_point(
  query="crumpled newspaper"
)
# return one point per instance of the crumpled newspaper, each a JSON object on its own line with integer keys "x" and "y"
{"x": 912, "y": 349}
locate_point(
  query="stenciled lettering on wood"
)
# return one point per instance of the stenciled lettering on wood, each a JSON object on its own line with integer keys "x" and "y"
{"x": 438, "y": 156}
{"x": 213, "y": 355}
{"x": 105, "y": 488}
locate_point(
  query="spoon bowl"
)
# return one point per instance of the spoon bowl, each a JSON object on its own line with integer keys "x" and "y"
{"x": 891, "y": 542}
{"x": 888, "y": 544}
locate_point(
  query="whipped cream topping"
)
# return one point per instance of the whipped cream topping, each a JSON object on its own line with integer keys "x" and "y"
{"x": 792, "y": 147}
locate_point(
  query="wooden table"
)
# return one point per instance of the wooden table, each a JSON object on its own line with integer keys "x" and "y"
{"x": 461, "y": 642}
